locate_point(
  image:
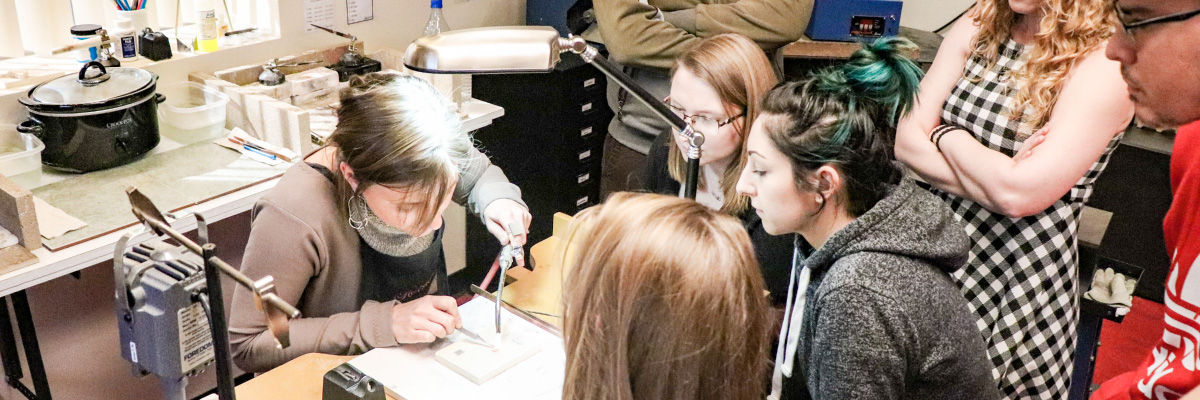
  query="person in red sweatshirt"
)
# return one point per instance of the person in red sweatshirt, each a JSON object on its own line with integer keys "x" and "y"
{"x": 1158, "y": 45}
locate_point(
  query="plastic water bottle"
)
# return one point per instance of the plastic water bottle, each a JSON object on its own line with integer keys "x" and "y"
{"x": 460, "y": 84}
{"x": 437, "y": 22}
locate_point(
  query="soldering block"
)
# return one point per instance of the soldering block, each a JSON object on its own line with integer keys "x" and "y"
{"x": 282, "y": 92}
{"x": 479, "y": 363}
{"x": 316, "y": 96}
{"x": 14, "y": 79}
{"x": 287, "y": 126}
{"x": 313, "y": 80}
{"x": 390, "y": 59}
{"x": 243, "y": 75}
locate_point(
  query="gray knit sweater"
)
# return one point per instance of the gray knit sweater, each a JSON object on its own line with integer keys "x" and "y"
{"x": 883, "y": 320}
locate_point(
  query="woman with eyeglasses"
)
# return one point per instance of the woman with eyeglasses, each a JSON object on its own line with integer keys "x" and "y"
{"x": 1015, "y": 122}
{"x": 716, "y": 86}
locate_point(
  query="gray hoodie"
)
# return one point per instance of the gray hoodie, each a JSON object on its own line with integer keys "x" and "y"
{"x": 883, "y": 319}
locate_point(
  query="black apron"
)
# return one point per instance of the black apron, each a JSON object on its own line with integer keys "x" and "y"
{"x": 386, "y": 278}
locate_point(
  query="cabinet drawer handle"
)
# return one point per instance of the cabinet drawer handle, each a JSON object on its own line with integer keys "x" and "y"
{"x": 582, "y": 200}
{"x": 589, "y": 83}
{"x": 583, "y": 155}
{"x": 584, "y": 177}
{"x": 585, "y": 132}
{"x": 586, "y": 107}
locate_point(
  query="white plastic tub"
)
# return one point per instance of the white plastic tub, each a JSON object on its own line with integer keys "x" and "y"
{"x": 20, "y": 157}
{"x": 192, "y": 112}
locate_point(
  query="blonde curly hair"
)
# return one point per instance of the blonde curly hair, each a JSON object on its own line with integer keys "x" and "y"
{"x": 1068, "y": 31}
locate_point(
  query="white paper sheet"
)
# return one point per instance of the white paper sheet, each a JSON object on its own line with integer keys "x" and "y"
{"x": 359, "y": 11}
{"x": 318, "y": 12}
{"x": 410, "y": 372}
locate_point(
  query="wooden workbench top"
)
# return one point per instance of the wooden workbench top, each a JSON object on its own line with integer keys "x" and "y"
{"x": 927, "y": 42}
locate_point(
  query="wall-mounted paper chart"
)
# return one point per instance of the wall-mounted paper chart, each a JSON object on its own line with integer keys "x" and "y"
{"x": 318, "y": 12}
{"x": 359, "y": 11}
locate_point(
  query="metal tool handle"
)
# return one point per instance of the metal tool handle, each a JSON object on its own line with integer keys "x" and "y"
{"x": 506, "y": 261}
{"x": 522, "y": 314}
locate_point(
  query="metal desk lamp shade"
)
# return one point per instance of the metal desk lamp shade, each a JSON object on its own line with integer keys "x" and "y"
{"x": 516, "y": 49}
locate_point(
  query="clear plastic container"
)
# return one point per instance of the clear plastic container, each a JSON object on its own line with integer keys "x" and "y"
{"x": 192, "y": 112}
{"x": 20, "y": 157}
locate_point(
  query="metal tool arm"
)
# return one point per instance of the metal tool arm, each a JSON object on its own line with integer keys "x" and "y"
{"x": 159, "y": 225}
{"x": 695, "y": 139}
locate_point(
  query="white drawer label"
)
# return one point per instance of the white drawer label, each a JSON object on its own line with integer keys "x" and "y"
{"x": 583, "y": 155}
{"x": 586, "y": 107}
{"x": 585, "y": 132}
{"x": 582, "y": 200}
{"x": 584, "y": 178}
{"x": 589, "y": 82}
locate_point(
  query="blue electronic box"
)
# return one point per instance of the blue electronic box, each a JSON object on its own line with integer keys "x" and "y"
{"x": 854, "y": 20}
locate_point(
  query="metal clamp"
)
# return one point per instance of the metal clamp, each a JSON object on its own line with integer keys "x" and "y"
{"x": 277, "y": 319}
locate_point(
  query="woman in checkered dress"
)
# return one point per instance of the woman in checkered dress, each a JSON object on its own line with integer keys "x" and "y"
{"x": 1016, "y": 119}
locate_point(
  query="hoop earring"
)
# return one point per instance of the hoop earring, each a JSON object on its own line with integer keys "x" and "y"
{"x": 362, "y": 218}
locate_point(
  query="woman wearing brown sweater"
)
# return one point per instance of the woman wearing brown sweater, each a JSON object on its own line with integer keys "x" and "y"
{"x": 352, "y": 235}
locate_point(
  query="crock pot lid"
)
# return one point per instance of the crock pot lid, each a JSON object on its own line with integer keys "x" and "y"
{"x": 67, "y": 90}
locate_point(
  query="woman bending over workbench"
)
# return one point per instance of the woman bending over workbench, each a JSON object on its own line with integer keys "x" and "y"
{"x": 353, "y": 235}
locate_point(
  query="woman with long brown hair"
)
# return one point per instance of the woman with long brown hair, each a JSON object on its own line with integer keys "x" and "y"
{"x": 641, "y": 323}
{"x": 717, "y": 86}
{"x": 353, "y": 233}
{"x": 1015, "y": 121}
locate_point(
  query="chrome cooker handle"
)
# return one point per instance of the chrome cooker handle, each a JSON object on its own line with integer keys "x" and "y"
{"x": 93, "y": 81}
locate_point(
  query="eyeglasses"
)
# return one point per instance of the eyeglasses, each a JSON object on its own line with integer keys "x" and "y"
{"x": 1129, "y": 27}
{"x": 699, "y": 122}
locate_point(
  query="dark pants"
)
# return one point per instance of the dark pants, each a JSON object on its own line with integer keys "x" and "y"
{"x": 621, "y": 169}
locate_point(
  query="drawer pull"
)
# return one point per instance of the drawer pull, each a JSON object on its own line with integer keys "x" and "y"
{"x": 583, "y": 155}
{"x": 585, "y": 132}
{"x": 589, "y": 83}
{"x": 584, "y": 178}
{"x": 586, "y": 107}
{"x": 582, "y": 200}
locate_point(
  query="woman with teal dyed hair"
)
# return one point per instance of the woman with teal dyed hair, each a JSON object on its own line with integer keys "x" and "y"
{"x": 872, "y": 312}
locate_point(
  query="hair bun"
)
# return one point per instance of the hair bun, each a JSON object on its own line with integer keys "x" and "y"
{"x": 882, "y": 73}
{"x": 891, "y": 49}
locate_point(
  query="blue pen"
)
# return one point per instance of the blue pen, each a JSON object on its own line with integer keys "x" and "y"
{"x": 259, "y": 152}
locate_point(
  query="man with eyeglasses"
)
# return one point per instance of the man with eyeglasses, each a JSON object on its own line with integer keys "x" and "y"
{"x": 1158, "y": 45}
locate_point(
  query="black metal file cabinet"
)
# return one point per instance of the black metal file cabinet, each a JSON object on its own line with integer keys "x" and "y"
{"x": 548, "y": 142}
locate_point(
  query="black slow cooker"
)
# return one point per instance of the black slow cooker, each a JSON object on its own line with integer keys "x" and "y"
{"x": 102, "y": 118}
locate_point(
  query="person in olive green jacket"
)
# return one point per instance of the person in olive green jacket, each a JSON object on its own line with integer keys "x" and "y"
{"x": 646, "y": 37}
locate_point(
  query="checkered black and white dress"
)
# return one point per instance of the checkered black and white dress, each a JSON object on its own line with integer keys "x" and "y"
{"x": 1020, "y": 277}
